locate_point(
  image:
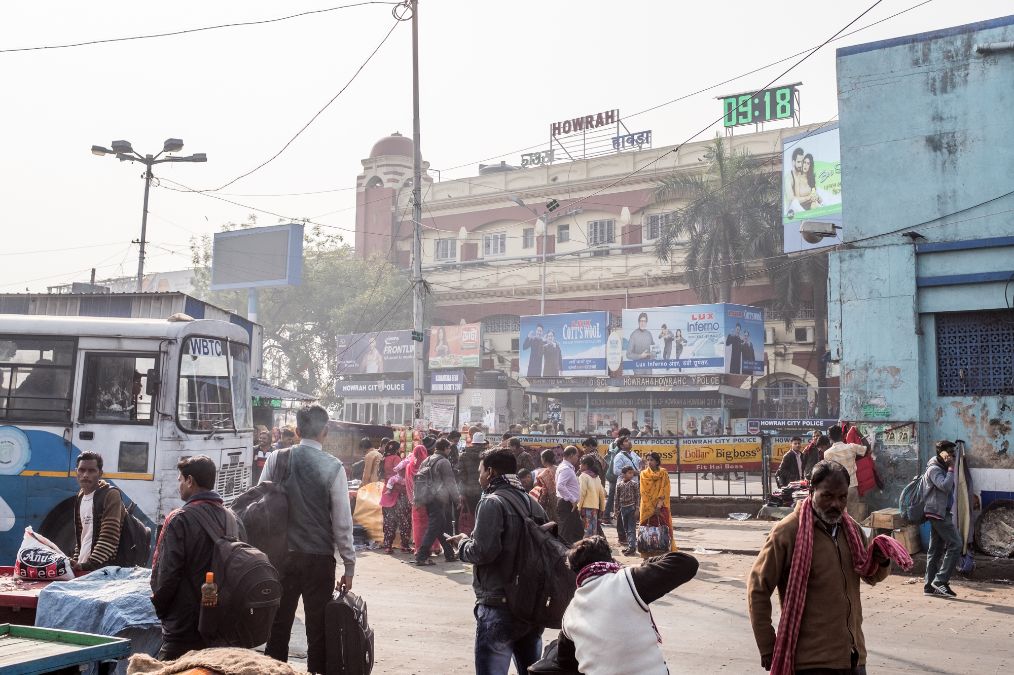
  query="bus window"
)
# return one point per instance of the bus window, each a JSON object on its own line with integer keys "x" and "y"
{"x": 115, "y": 386}
{"x": 214, "y": 387}
{"x": 36, "y": 379}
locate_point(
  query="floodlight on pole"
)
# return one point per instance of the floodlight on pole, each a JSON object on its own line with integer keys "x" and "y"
{"x": 124, "y": 151}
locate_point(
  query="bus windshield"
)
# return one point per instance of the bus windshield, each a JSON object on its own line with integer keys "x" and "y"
{"x": 214, "y": 385}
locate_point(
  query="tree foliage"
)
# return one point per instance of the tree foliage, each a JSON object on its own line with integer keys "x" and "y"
{"x": 340, "y": 294}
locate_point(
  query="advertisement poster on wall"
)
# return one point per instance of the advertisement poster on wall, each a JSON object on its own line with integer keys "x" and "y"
{"x": 702, "y": 422}
{"x": 694, "y": 339}
{"x": 721, "y": 453}
{"x": 455, "y": 346}
{"x": 811, "y": 186}
{"x": 564, "y": 345}
{"x": 388, "y": 351}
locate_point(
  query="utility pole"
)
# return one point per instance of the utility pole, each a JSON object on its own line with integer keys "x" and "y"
{"x": 418, "y": 289}
{"x": 148, "y": 161}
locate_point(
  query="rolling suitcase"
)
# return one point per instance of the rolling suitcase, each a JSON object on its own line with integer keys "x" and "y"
{"x": 349, "y": 647}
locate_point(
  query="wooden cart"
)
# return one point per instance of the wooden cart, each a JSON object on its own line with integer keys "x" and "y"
{"x": 26, "y": 650}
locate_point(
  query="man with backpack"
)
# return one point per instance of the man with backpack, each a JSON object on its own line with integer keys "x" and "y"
{"x": 98, "y": 516}
{"x": 937, "y": 496}
{"x": 492, "y": 549}
{"x": 435, "y": 488}
{"x": 319, "y": 530}
{"x": 183, "y": 556}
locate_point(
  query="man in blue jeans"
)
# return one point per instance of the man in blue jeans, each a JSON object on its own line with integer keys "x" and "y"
{"x": 938, "y": 499}
{"x": 491, "y": 550}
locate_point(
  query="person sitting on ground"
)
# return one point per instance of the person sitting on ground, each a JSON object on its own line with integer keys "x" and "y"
{"x": 628, "y": 504}
{"x": 815, "y": 557}
{"x": 98, "y": 516}
{"x": 614, "y": 600}
{"x": 491, "y": 549}
{"x": 592, "y": 501}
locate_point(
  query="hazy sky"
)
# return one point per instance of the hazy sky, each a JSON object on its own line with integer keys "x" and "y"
{"x": 494, "y": 75}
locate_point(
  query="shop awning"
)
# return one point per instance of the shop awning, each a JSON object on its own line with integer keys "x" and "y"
{"x": 262, "y": 389}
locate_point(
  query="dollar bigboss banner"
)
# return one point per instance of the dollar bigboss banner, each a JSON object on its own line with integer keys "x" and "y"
{"x": 665, "y": 447}
{"x": 721, "y": 453}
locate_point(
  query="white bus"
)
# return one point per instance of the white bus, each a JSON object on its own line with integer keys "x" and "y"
{"x": 141, "y": 392}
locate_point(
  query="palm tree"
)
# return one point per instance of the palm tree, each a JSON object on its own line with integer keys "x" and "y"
{"x": 733, "y": 216}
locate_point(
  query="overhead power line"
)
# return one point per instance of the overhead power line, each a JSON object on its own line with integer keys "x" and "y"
{"x": 187, "y": 31}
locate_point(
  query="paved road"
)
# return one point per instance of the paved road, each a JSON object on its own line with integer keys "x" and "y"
{"x": 424, "y": 625}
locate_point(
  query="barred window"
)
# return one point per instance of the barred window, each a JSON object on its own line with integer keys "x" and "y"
{"x": 975, "y": 353}
{"x": 445, "y": 249}
{"x": 656, "y": 222}
{"x": 601, "y": 232}
{"x": 494, "y": 244}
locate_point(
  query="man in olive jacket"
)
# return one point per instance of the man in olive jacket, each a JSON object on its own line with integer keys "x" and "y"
{"x": 831, "y": 631}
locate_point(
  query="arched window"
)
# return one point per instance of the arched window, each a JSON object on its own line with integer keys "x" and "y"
{"x": 786, "y": 398}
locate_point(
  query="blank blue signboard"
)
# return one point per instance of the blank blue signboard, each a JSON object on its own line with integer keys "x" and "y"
{"x": 256, "y": 257}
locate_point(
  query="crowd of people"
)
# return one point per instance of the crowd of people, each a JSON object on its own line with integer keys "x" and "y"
{"x": 815, "y": 557}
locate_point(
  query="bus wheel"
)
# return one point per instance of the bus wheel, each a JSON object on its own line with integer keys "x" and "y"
{"x": 58, "y": 526}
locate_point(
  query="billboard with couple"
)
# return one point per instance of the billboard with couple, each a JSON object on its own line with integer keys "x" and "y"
{"x": 562, "y": 345}
{"x": 694, "y": 339}
{"x": 811, "y": 170}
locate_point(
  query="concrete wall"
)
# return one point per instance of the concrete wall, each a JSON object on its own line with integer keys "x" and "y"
{"x": 926, "y": 135}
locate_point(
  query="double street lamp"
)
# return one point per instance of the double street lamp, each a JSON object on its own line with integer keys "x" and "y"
{"x": 124, "y": 152}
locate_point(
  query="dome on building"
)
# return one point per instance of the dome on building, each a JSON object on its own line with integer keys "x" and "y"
{"x": 395, "y": 144}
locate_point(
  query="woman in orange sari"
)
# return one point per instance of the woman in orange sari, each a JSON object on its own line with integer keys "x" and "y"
{"x": 655, "y": 491}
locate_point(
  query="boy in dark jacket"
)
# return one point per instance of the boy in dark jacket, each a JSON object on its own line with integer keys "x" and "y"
{"x": 183, "y": 556}
{"x": 491, "y": 549}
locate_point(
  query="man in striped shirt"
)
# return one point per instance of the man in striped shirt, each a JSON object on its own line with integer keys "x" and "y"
{"x": 98, "y": 516}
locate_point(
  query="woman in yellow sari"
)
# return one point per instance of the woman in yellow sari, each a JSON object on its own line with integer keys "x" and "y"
{"x": 655, "y": 490}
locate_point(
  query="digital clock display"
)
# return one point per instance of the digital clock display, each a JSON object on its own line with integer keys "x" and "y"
{"x": 777, "y": 103}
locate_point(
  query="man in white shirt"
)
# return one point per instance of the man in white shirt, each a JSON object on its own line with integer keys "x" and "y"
{"x": 845, "y": 454}
{"x": 568, "y": 494}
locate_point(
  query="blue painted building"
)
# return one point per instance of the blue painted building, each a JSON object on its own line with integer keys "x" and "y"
{"x": 921, "y": 293}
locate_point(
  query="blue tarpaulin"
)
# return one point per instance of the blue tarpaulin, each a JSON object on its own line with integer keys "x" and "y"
{"x": 106, "y": 602}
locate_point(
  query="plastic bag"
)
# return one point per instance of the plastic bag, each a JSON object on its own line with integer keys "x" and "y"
{"x": 39, "y": 558}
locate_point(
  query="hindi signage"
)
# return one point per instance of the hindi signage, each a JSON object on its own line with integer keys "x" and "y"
{"x": 455, "y": 346}
{"x": 638, "y": 139}
{"x": 537, "y": 158}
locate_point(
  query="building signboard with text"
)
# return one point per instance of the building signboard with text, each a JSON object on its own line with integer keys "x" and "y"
{"x": 455, "y": 346}
{"x": 693, "y": 340}
{"x": 721, "y": 453}
{"x": 564, "y": 345}
{"x": 387, "y": 351}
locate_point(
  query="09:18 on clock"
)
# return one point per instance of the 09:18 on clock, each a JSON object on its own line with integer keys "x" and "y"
{"x": 777, "y": 103}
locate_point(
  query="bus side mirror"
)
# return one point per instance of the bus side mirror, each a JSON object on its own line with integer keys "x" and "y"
{"x": 153, "y": 382}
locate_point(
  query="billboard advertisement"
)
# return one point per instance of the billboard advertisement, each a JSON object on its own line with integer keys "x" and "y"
{"x": 721, "y": 453}
{"x": 564, "y": 345}
{"x": 455, "y": 346}
{"x": 387, "y": 351}
{"x": 811, "y": 186}
{"x": 693, "y": 339}
{"x": 257, "y": 257}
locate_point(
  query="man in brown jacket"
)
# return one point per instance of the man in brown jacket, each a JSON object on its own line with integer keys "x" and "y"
{"x": 830, "y": 640}
{"x": 98, "y": 516}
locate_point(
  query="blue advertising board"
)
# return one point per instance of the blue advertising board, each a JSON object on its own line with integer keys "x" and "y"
{"x": 564, "y": 345}
{"x": 693, "y": 339}
{"x": 447, "y": 381}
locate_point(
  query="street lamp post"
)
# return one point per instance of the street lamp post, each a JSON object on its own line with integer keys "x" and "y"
{"x": 124, "y": 152}
{"x": 541, "y": 230}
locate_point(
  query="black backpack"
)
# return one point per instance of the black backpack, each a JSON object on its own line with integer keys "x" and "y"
{"x": 135, "y": 537}
{"x": 425, "y": 488}
{"x": 249, "y": 590}
{"x": 264, "y": 511}
{"x": 541, "y": 584}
